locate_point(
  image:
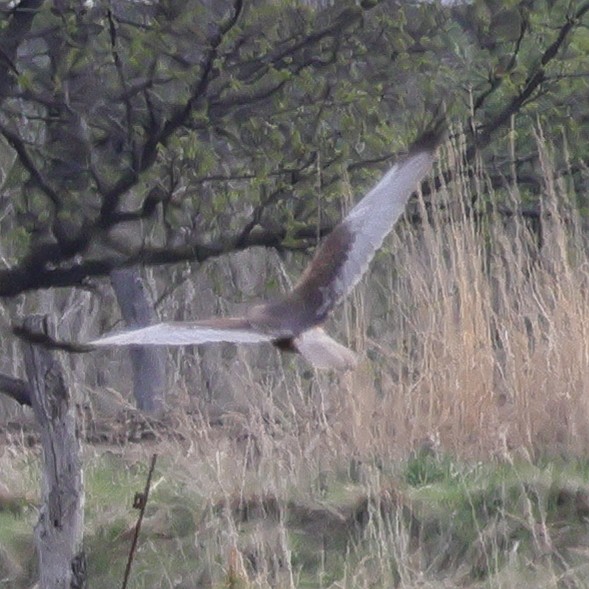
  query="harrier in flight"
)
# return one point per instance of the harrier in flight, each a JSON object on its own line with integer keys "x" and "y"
{"x": 293, "y": 322}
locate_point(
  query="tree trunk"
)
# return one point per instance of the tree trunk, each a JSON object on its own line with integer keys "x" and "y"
{"x": 148, "y": 362}
{"x": 59, "y": 531}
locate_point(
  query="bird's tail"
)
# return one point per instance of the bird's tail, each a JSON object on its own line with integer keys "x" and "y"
{"x": 324, "y": 352}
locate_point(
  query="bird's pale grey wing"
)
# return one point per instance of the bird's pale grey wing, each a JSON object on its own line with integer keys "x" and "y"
{"x": 373, "y": 218}
{"x": 324, "y": 352}
{"x": 230, "y": 329}
{"x": 347, "y": 251}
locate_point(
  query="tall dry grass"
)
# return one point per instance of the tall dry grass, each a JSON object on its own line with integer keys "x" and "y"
{"x": 481, "y": 347}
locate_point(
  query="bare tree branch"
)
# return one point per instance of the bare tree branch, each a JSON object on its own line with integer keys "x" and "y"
{"x": 19, "y": 24}
{"x": 157, "y": 137}
{"x": 532, "y": 83}
{"x": 19, "y": 146}
{"x": 497, "y": 80}
{"x": 16, "y": 389}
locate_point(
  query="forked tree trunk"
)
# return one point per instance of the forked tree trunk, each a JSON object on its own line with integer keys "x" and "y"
{"x": 59, "y": 531}
{"x": 148, "y": 362}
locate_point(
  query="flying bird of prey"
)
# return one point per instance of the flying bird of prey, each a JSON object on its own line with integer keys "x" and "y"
{"x": 293, "y": 322}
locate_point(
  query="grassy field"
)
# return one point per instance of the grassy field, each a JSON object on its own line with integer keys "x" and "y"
{"x": 455, "y": 455}
{"x": 309, "y": 519}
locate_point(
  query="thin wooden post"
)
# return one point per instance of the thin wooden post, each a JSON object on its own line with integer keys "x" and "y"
{"x": 59, "y": 530}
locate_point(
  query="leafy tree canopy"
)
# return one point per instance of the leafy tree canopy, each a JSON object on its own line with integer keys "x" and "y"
{"x": 164, "y": 131}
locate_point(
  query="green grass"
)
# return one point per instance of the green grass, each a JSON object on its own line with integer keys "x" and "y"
{"x": 478, "y": 524}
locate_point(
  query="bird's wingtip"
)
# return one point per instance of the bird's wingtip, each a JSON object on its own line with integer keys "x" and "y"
{"x": 434, "y": 133}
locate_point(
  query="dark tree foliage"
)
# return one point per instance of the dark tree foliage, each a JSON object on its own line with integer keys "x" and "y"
{"x": 128, "y": 116}
{"x": 163, "y": 131}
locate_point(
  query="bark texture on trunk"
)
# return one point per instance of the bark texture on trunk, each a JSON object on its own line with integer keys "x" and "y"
{"x": 59, "y": 530}
{"x": 148, "y": 362}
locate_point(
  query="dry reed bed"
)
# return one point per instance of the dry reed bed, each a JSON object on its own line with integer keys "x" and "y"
{"x": 481, "y": 347}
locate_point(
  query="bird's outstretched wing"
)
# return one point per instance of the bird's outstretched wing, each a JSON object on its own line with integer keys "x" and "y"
{"x": 222, "y": 329}
{"x": 344, "y": 256}
{"x": 337, "y": 267}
